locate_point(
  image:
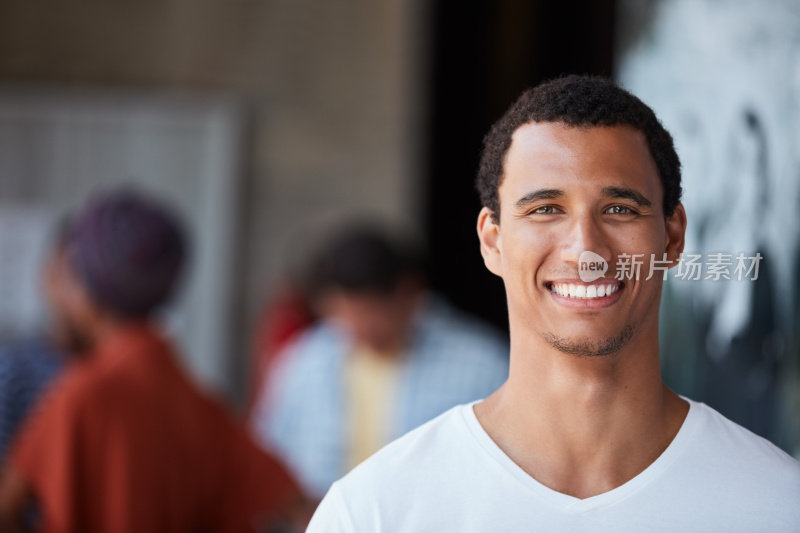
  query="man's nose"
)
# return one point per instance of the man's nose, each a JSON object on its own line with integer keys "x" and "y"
{"x": 584, "y": 234}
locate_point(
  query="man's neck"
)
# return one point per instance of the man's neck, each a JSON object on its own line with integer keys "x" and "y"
{"x": 583, "y": 425}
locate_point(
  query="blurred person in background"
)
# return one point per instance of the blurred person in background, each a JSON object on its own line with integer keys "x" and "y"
{"x": 286, "y": 314}
{"x": 386, "y": 356}
{"x": 29, "y": 365}
{"x": 124, "y": 442}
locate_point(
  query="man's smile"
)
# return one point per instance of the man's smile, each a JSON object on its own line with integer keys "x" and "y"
{"x": 576, "y": 293}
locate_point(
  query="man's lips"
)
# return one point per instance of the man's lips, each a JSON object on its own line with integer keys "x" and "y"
{"x": 599, "y": 292}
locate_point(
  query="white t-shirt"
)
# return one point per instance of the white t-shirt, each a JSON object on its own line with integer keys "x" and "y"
{"x": 449, "y": 476}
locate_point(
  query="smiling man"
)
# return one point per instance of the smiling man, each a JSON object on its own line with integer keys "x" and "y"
{"x": 584, "y": 435}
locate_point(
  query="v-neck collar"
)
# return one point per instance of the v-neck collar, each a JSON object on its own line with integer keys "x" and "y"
{"x": 571, "y": 504}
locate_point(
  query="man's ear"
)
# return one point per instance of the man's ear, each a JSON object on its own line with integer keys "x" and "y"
{"x": 676, "y": 235}
{"x": 489, "y": 236}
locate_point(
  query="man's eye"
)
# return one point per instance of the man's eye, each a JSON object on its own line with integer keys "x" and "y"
{"x": 544, "y": 210}
{"x": 619, "y": 210}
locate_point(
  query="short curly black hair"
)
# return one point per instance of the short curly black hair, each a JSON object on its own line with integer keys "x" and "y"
{"x": 579, "y": 101}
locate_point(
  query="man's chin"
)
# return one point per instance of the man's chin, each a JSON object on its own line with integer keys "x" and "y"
{"x": 590, "y": 346}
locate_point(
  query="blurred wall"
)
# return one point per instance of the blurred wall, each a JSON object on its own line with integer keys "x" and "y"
{"x": 331, "y": 89}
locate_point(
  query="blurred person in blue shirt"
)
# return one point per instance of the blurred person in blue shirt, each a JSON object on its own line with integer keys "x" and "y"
{"x": 386, "y": 356}
{"x": 27, "y": 366}
{"x": 30, "y": 363}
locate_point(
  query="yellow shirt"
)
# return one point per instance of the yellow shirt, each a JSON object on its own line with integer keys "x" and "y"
{"x": 370, "y": 384}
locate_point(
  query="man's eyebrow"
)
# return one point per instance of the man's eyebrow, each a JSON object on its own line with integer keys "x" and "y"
{"x": 541, "y": 194}
{"x": 627, "y": 192}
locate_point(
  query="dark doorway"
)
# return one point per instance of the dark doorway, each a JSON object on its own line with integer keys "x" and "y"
{"x": 484, "y": 54}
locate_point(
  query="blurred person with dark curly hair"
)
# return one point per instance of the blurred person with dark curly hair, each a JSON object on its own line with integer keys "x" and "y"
{"x": 123, "y": 441}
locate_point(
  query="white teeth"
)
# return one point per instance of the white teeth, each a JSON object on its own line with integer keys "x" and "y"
{"x": 584, "y": 292}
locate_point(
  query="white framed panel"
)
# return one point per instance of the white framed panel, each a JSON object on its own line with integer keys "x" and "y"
{"x": 57, "y": 147}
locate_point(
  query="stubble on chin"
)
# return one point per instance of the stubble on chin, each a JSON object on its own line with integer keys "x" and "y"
{"x": 586, "y": 347}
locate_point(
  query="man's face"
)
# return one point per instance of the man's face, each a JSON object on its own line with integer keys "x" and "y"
{"x": 565, "y": 191}
{"x": 379, "y": 321}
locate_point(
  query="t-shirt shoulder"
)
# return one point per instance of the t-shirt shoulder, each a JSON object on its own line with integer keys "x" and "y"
{"x": 738, "y": 437}
{"x": 745, "y": 456}
{"x": 418, "y": 447}
{"x": 354, "y": 498}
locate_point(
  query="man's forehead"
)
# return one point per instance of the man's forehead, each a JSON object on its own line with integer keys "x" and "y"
{"x": 550, "y": 153}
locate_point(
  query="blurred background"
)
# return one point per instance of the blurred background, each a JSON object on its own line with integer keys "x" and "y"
{"x": 265, "y": 122}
